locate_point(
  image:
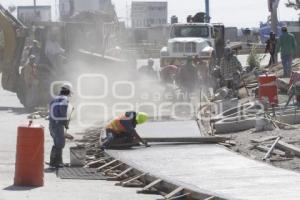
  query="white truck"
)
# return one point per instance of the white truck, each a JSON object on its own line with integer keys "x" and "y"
{"x": 202, "y": 41}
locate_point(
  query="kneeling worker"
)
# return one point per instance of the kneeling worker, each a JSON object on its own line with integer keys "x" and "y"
{"x": 124, "y": 126}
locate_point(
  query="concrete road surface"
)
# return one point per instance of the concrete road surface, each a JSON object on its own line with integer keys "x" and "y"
{"x": 11, "y": 115}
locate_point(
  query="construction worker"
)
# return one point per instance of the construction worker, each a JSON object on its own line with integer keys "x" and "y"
{"x": 287, "y": 46}
{"x": 30, "y": 72}
{"x": 271, "y": 48}
{"x": 58, "y": 121}
{"x": 35, "y": 50}
{"x": 168, "y": 73}
{"x": 31, "y": 86}
{"x": 124, "y": 126}
{"x": 231, "y": 69}
{"x": 187, "y": 77}
{"x": 148, "y": 69}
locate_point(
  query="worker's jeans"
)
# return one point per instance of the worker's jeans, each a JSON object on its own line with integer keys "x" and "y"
{"x": 287, "y": 65}
{"x": 58, "y": 136}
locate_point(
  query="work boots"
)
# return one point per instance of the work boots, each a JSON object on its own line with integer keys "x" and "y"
{"x": 59, "y": 159}
{"x": 56, "y": 160}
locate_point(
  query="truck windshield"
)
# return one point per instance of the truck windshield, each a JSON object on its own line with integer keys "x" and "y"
{"x": 189, "y": 31}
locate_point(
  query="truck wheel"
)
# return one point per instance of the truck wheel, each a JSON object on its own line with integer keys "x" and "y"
{"x": 20, "y": 95}
{"x": 21, "y": 90}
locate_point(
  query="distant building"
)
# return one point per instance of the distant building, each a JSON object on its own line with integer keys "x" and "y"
{"x": 30, "y": 14}
{"x": 68, "y": 8}
{"x": 231, "y": 34}
{"x": 147, "y": 14}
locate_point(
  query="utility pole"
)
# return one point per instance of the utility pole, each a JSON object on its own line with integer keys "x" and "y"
{"x": 273, "y": 7}
{"x": 34, "y": 7}
{"x": 207, "y": 11}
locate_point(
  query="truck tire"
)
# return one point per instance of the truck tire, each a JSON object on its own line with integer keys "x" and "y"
{"x": 21, "y": 90}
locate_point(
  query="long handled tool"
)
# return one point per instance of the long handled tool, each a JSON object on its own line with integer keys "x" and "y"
{"x": 67, "y": 135}
{"x": 141, "y": 140}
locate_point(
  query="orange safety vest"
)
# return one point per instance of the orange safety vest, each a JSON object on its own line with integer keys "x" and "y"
{"x": 116, "y": 125}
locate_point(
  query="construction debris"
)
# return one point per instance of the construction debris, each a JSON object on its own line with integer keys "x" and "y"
{"x": 271, "y": 149}
{"x": 266, "y": 149}
{"x": 264, "y": 139}
{"x": 288, "y": 148}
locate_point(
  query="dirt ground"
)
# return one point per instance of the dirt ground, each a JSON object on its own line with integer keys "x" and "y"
{"x": 245, "y": 146}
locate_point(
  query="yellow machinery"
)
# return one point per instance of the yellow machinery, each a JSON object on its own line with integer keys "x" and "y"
{"x": 14, "y": 35}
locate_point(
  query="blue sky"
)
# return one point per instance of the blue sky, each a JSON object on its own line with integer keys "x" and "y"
{"x": 241, "y": 13}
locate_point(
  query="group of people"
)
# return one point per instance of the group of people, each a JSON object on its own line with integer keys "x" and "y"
{"x": 286, "y": 45}
{"x": 121, "y": 128}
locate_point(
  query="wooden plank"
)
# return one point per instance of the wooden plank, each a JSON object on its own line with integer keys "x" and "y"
{"x": 266, "y": 149}
{"x": 106, "y": 165}
{"x": 206, "y": 139}
{"x": 133, "y": 179}
{"x": 147, "y": 187}
{"x": 94, "y": 162}
{"x": 125, "y": 172}
{"x": 288, "y": 148}
{"x": 174, "y": 192}
{"x": 264, "y": 139}
{"x": 271, "y": 149}
{"x": 210, "y": 198}
{"x": 180, "y": 196}
{"x": 112, "y": 168}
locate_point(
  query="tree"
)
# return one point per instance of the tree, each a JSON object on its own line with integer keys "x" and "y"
{"x": 293, "y": 4}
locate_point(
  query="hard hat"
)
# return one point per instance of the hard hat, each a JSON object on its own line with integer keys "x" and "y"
{"x": 150, "y": 60}
{"x": 35, "y": 42}
{"x": 67, "y": 86}
{"x": 32, "y": 57}
{"x": 141, "y": 117}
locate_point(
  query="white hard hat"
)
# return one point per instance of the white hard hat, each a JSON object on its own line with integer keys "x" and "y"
{"x": 67, "y": 86}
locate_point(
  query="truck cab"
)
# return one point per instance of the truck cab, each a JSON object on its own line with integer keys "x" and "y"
{"x": 196, "y": 40}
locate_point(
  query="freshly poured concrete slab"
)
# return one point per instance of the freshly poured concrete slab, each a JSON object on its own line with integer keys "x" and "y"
{"x": 169, "y": 129}
{"x": 214, "y": 169}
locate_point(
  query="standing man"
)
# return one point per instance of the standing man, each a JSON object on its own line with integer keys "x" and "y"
{"x": 31, "y": 72}
{"x": 58, "y": 121}
{"x": 35, "y": 50}
{"x": 230, "y": 69}
{"x": 148, "y": 69}
{"x": 287, "y": 46}
{"x": 124, "y": 126}
{"x": 271, "y": 48}
{"x": 187, "y": 77}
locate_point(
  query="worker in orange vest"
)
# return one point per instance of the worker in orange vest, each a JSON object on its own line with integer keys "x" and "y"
{"x": 124, "y": 126}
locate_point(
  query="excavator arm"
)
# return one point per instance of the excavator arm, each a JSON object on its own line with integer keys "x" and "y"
{"x": 14, "y": 35}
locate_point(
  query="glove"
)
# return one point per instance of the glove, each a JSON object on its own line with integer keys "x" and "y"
{"x": 147, "y": 145}
{"x": 66, "y": 124}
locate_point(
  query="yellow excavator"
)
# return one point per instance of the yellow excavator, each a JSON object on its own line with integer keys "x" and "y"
{"x": 74, "y": 36}
{"x": 13, "y": 35}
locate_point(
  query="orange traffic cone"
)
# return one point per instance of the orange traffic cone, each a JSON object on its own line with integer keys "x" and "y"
{"x": 29, "y": 168}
